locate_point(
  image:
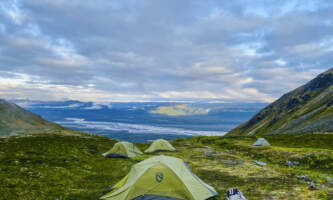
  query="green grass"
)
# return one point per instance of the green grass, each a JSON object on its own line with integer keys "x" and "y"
{"x": 313, "y": 151}
{"x": 57, "y": 167}
{"x": 60, "y": 166}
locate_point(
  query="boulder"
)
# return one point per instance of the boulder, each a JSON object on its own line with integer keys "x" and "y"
{"x": 258, "y": 162}
{"x": 291, "y": 163}
{"x": 305, "y": 178}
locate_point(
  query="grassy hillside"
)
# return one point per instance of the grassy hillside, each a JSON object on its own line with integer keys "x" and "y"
{"x": 69, "y": 165}
{"x": 307, "y": 109}
{"x": 16, "y": 120}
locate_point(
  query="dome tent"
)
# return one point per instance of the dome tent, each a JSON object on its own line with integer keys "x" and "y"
{"x": 123, "y": 150}
{"x": 160, "y": 145}
{"x": 161, "y": 178}
{"x": 261, "y": 142}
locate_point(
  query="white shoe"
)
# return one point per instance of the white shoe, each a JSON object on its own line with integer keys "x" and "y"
{"x": 235, "y": 194}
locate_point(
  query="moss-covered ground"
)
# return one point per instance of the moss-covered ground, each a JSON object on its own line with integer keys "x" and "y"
{"x": 70, "y": 166}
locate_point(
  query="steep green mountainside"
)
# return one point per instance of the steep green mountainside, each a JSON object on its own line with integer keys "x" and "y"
{"x": 70, "y": 165}
{"x": 16, "y": 120}
{"x": 307, "y": 109}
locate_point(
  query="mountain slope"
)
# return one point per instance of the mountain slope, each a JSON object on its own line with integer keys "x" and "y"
{"x": 16, "y": 120}
{"x": 307, "y": 109}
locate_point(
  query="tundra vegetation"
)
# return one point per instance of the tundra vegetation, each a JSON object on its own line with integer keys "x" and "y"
{"x": 68, "y": 165}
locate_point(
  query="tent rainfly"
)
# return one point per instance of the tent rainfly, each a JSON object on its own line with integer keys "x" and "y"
{"x": 123, "y": 150}
{"x": 261, "y": 142}
{"x": 161, "y": 178}
{"x": 160, "y": 145}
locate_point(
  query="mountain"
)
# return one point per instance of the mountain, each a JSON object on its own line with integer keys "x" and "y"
{"x": 16, "y": 120}
{"x": 307, "y": 109}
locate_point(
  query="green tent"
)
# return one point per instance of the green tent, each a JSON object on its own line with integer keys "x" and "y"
{"x": 261, "y": 142}
{"x": 124, "y": 150}
{"x": 160, "y": 145}
{"x": 161, "y": 178}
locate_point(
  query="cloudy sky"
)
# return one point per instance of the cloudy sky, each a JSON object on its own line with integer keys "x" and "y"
{"x": 130, "y": 50}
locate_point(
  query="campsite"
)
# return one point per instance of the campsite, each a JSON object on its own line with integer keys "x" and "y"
{"x": 123, "y": 150}
{"x": 160, "y": 145}
{"x": 71, "y": 165}
{"x": 166, "y": 100}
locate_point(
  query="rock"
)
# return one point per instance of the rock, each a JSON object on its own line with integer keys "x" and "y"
{"x": 309, "y": 155}
{"x": 305, "y": 178}
{"x": 233, "y": 162}
{"x": 209, "y": 154}
{"x": 258, "y": 162}
{"x": 312, "y": 186}
{"x": 329, "y": 180}
{"x": 292, "y": 103}
{"x": 291, "y": 163}
{"x": 306, "y": 97}
{"x": 250, "y": 189}
{"x": 228, "y": 152}
{"x": 228, "y": 162}
{"x": 330, "y": 103}
{"x": 292, "y": 174}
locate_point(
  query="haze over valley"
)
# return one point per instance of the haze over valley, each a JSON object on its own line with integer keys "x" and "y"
{"x": 139, "y": 122}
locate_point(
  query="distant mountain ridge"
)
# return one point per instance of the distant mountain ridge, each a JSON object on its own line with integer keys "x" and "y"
{"x": 16, "y": 120}
{"x": 307, "y": 109}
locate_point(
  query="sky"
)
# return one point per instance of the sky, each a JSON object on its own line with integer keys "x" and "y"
{"x": 150, "y": 50}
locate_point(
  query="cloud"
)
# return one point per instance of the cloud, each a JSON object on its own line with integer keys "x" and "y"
{"x": 75, "y": 105}
{"x": 97, "y": 106}
{"x": 136, "y": 50}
